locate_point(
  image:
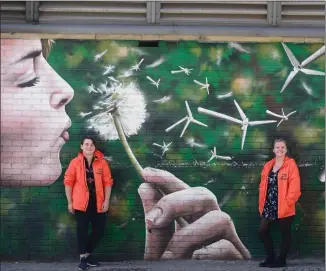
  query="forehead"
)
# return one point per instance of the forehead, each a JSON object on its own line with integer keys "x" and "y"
{"x": 280, "y": 144}
{"x": 14, "y": 49}
{"x": 88, "y": 141}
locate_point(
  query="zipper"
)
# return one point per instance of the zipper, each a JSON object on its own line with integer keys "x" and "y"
{"x": 85, "y": 184}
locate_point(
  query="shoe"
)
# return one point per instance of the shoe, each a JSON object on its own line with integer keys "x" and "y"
{"x": 278, "y": 263}
{"x": 91, "y": 262}
{"x": 83, "y": 264}
{"x": 267, "y": 263}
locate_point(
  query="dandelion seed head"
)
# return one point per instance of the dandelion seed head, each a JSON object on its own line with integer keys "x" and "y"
{"x": 129, "y": 105}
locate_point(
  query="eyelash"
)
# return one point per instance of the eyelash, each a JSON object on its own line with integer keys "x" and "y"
{"x": 30, "y": 83}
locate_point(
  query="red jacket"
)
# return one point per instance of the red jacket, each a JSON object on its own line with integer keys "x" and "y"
{"x": 288, "y": 182}
{"x": 75, "y": 176}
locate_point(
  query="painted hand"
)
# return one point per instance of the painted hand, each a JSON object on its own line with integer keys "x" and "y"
{"x": 210, "y": 234}
{"x": 105, "y": 206}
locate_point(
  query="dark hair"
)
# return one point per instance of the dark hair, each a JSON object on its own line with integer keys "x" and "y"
{"x": 284, "y": 141}
{"x": 88, "y": 137}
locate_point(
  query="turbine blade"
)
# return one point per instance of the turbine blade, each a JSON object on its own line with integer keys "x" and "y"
{"x": 210, "y": 159}
{"x": 288, "y": 115}
{"x": 314, "y": 56}
{"x": 242, "y": 114}
{"x": 174, "y": 125}
{"x": 158, "y": 145}
{"x": 273, "y": 114}
{"x": 289, "y": 79}
{"x": 244, "y": 133}
{"x": 259, "y": 122}
{"x": 185, "y": 128}
{"x": 198, "y": 122}
{"x": 312, "y": 72}
{"x": 224, "y": 157}
{"x": 283, "y": 113}
{"x": 294, "y": 61}
{"x": 218, "y": 115}
{"x": 198, "y": 83}
{"x": 280, "y": 122}
{"x": 188, "y": 109}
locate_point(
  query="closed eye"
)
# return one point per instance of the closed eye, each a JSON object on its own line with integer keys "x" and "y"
{"x": 30, "y": 83}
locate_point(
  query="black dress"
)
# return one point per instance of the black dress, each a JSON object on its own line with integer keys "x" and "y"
{"x": 270, "y": 208}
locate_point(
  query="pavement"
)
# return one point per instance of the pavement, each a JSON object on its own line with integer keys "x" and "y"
{"x": 171, "y": 265}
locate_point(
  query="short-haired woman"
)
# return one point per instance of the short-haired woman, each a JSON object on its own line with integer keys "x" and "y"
{"x": 88, "y": 184}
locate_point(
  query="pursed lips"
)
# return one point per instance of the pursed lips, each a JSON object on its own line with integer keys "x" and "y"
{"x": 65, "y": 134}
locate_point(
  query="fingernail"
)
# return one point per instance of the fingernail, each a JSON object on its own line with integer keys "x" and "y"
{"x": 149, "y": 224}
{"x": 167, "y": 255}
{"x": 152, "y": 216}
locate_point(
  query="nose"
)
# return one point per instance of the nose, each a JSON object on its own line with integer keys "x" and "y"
{"x": 62, "y": 93}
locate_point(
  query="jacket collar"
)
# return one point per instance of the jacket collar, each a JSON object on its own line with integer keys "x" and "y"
{"x": 97, "y": 155}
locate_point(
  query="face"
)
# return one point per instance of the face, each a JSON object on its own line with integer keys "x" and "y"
{"x": 280, "y": 149}
{"x": 34, "y": 122}
{"x": 88, "y": 147}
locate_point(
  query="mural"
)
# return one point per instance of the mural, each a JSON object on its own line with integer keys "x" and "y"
{"x": 186, "y": 128}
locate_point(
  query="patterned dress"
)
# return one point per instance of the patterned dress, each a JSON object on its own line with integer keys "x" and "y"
{"x": 270, "y": 208}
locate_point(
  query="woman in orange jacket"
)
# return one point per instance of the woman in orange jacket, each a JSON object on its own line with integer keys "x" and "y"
{"x": 279, "y": 190}
{"x": 88, "y": 184}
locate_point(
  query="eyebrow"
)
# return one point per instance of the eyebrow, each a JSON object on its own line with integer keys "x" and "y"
{"x": 30, "y": 55}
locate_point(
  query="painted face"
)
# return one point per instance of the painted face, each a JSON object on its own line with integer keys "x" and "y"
{"x": 34, "y": 122}
{"x": 280, "y": 149}
{"x": 88, "y": 147}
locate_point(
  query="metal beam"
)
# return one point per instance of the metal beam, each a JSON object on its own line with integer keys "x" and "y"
{"x": 201, "y": 32}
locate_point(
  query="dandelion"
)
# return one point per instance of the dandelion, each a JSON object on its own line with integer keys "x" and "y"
{"x": 124, "y": 112}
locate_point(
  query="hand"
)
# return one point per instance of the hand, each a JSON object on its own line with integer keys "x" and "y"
{"x": 210, "y": 233}
{"x": 70, "y": 208}
{"x": 105, "y": 206}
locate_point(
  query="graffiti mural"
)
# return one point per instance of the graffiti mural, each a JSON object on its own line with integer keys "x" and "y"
{"x": 186, "y": 128}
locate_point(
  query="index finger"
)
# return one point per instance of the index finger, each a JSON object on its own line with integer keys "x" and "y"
{"x": 164, "y": 180}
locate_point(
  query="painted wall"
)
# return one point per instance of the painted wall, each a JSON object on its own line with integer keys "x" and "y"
{"x": 208, "y": 167}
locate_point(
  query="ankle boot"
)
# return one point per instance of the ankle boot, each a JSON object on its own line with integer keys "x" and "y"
{"x": 268, "y": 262}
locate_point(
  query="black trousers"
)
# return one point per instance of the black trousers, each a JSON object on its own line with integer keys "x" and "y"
{"x": 265, "y": 237}
{"x": 87, "y": 243}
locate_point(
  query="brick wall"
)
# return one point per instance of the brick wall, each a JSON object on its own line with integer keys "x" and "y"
{"x": 74, "y": 87}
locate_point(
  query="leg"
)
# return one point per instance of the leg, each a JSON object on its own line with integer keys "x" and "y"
{"x": 98, "y": 222}
{"x": 285, "y": 227}
{"x": 265, "y": 237}
{"x": 82, "y": 219}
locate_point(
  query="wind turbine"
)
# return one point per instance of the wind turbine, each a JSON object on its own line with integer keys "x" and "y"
{"x": 155, "y": 83}
{"x": 300, "y": 67}
{"x": 283, "y": 116}
{"x": 214, "y": 155}
{"x": 189, "y": 118}
{"x": 185, "y": 70}
{"x": 206, "y": 85}
{"x": 244, "y": 122}
{"x": 136, "y": 67}
{"x": 164, "y": 147}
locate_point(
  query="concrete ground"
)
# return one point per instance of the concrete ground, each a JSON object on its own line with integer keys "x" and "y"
{"x": 180, "y": 265}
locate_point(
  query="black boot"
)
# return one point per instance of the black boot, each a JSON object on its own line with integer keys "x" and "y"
{"x": 268, "y": 262}
{"x": 280, "y": 262}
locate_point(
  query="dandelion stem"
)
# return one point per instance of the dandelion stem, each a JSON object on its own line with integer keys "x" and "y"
{"x": 126, "y": 146}
{"x": 182, "y": 222}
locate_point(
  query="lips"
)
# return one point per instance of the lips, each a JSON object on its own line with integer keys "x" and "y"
{"x": 65, "y": 135}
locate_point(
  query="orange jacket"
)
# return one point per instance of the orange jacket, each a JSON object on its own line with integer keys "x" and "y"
{"x": 75, "y": 176}
{"x": 288, "y": 182}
